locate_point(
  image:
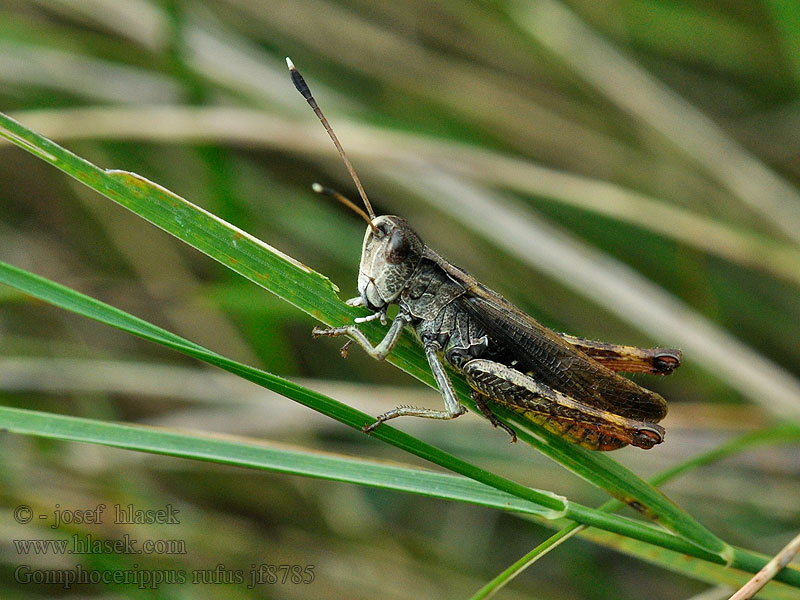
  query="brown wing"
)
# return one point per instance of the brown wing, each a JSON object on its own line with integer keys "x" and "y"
{"x": 549, "y": 358}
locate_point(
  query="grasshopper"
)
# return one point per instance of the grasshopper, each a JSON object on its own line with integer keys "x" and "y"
{"x": 568, "y": 385}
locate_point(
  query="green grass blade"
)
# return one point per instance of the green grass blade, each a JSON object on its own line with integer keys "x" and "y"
{"x": 517, "y": 567}
{"x": 76, "y": 302}
{"x": 282, "y": 459}
{"x": 734, "y": 576}
{"x": 553, "y": 505}
{"x": 780, "y": 433}
{"x": 316, "y": 295}
{"x": 243, "y": 452}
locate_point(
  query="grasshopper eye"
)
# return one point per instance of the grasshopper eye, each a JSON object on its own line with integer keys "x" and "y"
{"x": 397, "y": 248}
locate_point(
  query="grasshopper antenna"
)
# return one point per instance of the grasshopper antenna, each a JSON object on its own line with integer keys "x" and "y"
{"x": 302, "y": 87}
{"x": 325, "y": 191}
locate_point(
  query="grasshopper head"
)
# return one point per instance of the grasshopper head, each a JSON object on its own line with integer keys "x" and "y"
{"x": 389, "y": 256}
{"x": 391, "y": 250}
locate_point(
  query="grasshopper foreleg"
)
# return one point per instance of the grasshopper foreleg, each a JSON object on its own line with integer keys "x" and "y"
{"x": 453, "y": 407}
{"x": 379, "y": 352}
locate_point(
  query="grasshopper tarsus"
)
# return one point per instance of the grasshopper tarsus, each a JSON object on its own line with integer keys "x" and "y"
{"x": 480, "y": 402}
{"x": 509, "y": 430}
{"x": 371, "y": 427}
{"x": 344, "y": 349}
{"x": 320, "y": 332}
{"x": 329, "y": 332}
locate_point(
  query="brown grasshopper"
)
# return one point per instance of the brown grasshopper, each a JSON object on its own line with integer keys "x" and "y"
{"x": 569, "y": 385}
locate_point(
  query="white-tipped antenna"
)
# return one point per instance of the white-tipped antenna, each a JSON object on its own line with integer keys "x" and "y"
{"x": 344, "y": 200}
{"x": 302, "y": 87}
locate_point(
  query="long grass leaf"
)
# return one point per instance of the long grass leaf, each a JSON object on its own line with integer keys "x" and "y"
{"x": 316, "y": 295}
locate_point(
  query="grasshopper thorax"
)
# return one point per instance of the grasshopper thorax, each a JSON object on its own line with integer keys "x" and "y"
{"x": 389, "y": 256}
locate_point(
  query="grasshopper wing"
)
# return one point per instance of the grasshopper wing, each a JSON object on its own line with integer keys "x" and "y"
{"x": 518, "y": 340}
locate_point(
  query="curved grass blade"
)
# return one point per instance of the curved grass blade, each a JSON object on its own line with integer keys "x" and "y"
{"x": 316, "y": 295}
{"x": 517, "y": 567}
{"x": 553, "y": 505}
{"x": 226, "y": 125}
{"x": 780, "y": 433}
{"x": 279, "y": 458}
{"x": 734, "y": 576}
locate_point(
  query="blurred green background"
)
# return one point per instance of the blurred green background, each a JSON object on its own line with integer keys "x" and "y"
{"x": 624, "y": 171}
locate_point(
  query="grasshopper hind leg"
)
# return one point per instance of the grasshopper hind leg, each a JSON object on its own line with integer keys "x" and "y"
{"x": 480, "y": 402}
{"x": 577, "y": 421}
{"x": 578, "y": 433}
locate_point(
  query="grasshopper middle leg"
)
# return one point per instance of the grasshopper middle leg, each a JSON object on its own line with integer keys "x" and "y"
{"x": 452, "y": 407}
